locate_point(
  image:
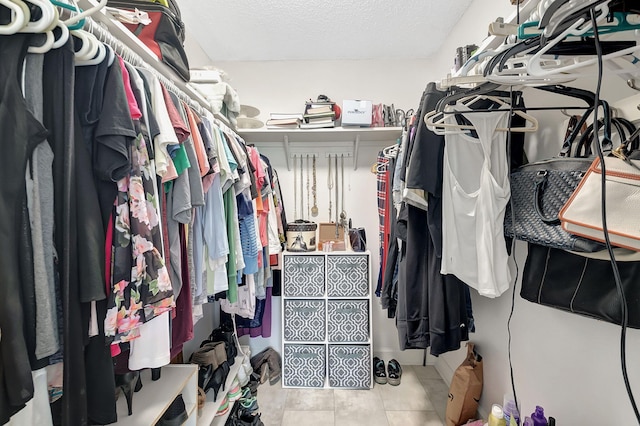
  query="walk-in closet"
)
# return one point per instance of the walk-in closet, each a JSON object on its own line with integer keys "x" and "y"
{"x": 380, "y": 213}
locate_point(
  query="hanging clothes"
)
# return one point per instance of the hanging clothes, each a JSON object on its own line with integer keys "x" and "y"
{"x": 475, "y": 194}
{"x": 22, "y": 133}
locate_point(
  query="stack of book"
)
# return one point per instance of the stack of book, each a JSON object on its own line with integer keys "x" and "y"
{"x": 283, "y": 120}
{"x": 318, "y": 115}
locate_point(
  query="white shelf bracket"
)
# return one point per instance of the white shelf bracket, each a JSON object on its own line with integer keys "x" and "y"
{"x": 285, "y": 145}
{"x": 356, "y": 145}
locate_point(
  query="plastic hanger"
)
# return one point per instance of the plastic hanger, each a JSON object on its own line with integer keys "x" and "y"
{"x": 99, "y": 57}
{"x": 18, "y": 18}
{"x": 46, "y": 22}
{"x": 620, "y": 22}
{"x": 436, "y": 121}
{"x": 74, "y": 8}
{"x": 64, "y": 36}
{"x": 86, "y": 13}
{"x": 534, "y": 66}
{"x": 88, "y": 48}
{"x": 44, "y": 47}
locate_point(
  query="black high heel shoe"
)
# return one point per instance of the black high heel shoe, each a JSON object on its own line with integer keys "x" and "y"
{"x": 128, "y": 382}
{"x": 155, "y": 373}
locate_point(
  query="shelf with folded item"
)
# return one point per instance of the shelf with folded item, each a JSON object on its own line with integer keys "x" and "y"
{"x": 207, "y": 415}
{"x": 150, "y": 403}
{"x": 335, "y": 135}
{"x": 103, "y": 22}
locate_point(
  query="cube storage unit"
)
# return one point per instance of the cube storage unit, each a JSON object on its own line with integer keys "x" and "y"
{"x": 326, "y": 320}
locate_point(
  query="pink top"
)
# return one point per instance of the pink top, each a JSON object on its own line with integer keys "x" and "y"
{"x": 131, "y": 99}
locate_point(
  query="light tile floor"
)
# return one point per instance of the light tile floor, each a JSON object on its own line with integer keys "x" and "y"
{"x": 420, "y": 400}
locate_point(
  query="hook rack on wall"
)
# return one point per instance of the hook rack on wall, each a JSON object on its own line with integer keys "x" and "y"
{"x": 338, "y": 140}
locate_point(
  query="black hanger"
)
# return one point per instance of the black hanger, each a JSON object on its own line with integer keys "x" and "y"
{"x": 459, "y": 93}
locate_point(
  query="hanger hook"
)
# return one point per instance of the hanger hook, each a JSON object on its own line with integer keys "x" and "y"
{"x": 632, "y": 83}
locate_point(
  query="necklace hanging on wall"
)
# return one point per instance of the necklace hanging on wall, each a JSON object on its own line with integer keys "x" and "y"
{"x": 330, "y": 185}
{"x": 336, "y": 174}
{"x": 295, "y": 187}
{"x": 343, "y": 213}
{"x": 308, "y": 191}
{"x": 301, "y": 190}
{"x": 314, "y": 209}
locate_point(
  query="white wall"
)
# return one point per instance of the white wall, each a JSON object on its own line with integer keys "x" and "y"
{"x": 566, "y": 363}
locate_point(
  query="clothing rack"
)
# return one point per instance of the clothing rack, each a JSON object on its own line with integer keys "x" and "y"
{"x": 132, "y": 50}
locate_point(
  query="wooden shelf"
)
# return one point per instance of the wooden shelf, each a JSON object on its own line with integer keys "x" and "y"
{"x": 352, "y": 135}
{"x": 155, "y": 396}
{"x": 208, "y": 414}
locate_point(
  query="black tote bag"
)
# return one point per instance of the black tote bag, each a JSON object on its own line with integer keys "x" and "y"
{"x": 581, "y": 285}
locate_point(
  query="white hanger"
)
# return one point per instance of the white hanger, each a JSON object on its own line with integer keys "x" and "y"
{"x": 86, "y": 13}
{"x": 99, "y": 57}
{"x": 47, "y": 21}
{"x": 44, "y": 47}
{"x": 18, "y": 18}
{"x": 436, "y": 121}
{"x": 64, "y": 36}
{"x": 581, "y": 26}
{"x": 88, "y": 49}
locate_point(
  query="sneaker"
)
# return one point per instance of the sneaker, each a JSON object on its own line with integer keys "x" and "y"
{"x": 246, "y": 393}
{"x": 395, "y": 372}
{"x": 235, "y": 392}
{"x": 245, "y": 418}
{"x": 249, "y": 405}
{"x": 379, "y": 373}
{"x": 224, "y": 407}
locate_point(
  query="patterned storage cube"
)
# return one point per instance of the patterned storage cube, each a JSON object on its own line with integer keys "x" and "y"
{"x": 350, "y": 366}
{"x": 304, "y": 320}
{"x": 304, "y": 276}
{"x": 347, "y": 276}
{"x": 348, "y": 320}
{"x": 304, "y": 366}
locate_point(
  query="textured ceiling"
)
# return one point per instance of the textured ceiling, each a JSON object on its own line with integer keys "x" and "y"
{"x": 254, "y": 30}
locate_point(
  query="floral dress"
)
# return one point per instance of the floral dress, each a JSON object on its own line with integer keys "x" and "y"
{"x": 141, "y": 287}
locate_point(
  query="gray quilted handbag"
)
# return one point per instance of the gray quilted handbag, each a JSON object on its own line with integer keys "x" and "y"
{"x": 538, "y": 192}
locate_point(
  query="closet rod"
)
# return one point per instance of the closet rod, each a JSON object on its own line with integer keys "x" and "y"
{"x": 103, "y": 27}
{"x": 520, "y": 109}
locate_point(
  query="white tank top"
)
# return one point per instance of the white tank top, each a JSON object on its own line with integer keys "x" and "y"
{"x": 475, "y": 194}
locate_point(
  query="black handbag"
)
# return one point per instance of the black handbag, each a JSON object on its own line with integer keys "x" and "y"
{"x": 581, "y": 285}
{"x": 358, "y": 239}
{"x": 538, "y": 193}
{"x": 539, "y": 190}
{"x": 164, "y": 36}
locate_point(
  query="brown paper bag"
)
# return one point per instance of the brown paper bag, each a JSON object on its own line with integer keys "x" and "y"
{"x": 465, "y": 389}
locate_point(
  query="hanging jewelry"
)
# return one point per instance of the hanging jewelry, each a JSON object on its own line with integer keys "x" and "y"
{"x": 301, "y": 190}
{"x": 295, "y": 187}
{"x": 330, "y": 185}
{"x": 343, "y": 213}
{"x": 308, "y": 191}
{"x": 314, "y": 209}
{"x": 336, "y": 173}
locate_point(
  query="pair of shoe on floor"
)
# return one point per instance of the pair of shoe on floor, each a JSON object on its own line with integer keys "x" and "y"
{"x": 392, "y": 374}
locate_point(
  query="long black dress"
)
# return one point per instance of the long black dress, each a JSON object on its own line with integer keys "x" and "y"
{"x": 20, "y": 132}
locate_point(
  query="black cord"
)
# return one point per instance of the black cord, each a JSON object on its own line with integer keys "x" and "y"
{"x": 513, "y": 249}
{"x": 614, "y": 264}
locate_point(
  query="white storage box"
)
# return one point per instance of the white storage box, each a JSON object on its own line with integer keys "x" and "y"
{"x": 356, "y": 113}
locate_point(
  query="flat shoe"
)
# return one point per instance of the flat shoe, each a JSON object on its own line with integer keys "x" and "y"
{"x": 379, "y": 373}
{"x": 395, "y": 372}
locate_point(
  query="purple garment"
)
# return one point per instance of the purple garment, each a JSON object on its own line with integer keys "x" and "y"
{"x": 264, "y": 330}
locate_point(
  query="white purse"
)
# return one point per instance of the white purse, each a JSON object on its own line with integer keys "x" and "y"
{"x": 582, "y": 214}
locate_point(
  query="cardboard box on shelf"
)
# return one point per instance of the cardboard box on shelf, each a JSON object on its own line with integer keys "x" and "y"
{"x": 356, "y": 113}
